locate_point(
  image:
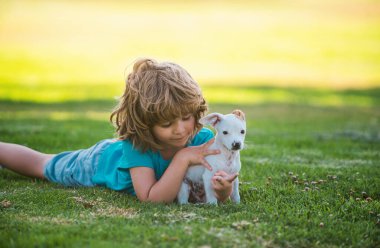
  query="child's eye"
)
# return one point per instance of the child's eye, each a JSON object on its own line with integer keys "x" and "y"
{"x": 166, "y": 124}
{"x": 225, "y": 132}
{"x": 187, "y": 117}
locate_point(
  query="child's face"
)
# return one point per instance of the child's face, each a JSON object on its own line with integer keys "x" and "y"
{"x": 175, "y": 134}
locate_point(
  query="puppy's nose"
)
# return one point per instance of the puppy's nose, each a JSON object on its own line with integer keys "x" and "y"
{"x": 236, "y": 145}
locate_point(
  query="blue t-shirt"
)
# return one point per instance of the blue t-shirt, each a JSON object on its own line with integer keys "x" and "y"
{"x": 120, "y": 156}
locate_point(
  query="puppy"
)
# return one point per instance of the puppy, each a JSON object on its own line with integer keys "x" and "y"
{"x": 231, "y": 129}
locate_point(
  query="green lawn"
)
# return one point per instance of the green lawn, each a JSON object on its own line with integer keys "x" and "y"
{"x": 303, "y": 173}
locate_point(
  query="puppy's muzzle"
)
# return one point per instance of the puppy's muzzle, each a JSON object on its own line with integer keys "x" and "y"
{"x": 236, "y": 146}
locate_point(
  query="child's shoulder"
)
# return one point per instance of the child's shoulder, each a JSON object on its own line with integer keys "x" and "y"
{"x": 129, "y": 146}
{"x": 206, "y": 132}
{"x": 202, "y": 137}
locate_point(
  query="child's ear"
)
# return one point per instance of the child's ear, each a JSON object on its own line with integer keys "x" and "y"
{"x": 211, "y": 119}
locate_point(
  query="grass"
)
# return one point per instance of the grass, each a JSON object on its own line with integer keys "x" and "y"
{"x": 304, "y": 170}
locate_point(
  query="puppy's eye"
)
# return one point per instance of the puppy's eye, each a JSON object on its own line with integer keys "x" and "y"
{"x": 225, "y": 132}
{"x": 242, "y": 132}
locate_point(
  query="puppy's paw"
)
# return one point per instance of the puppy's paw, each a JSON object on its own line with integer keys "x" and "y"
{"x": 182, "y": 202}
{"x": 235, "y": 198}
{"x": 183, "y": 194}
{"x": 212, "y": 201}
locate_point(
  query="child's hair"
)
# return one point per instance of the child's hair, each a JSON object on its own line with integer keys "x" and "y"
{"x": 156, "y": 93}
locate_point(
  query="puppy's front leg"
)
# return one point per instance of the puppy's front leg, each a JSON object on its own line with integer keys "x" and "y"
{"x": 235, "y": 196}
{"x": 209, "y": 191}
{"x": 183, "y": 194}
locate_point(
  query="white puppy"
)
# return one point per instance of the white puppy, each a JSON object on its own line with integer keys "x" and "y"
{"x": 231, "y": 129}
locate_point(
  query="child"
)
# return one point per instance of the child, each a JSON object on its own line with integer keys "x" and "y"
{"x": 157, "y": 122}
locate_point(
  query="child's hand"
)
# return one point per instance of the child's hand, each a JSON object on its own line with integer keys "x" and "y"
{"x": 195, "y": 155}
{"x": 222, "y": 184}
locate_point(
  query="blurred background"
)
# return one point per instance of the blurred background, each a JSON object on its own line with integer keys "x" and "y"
{"x": 53, "y": 51}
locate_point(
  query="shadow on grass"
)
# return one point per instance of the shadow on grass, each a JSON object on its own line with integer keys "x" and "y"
{"x": 292, "y": 95}
{"x": 231, "y": 95}
{"x": 72, "y": 105}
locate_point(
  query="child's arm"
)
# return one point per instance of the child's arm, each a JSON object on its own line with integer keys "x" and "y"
{"x": 147, "y": 188}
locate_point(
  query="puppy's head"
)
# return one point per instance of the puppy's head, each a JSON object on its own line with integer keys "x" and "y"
{"x": 231, "y": 128}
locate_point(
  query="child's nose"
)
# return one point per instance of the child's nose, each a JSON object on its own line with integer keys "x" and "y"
{"x": 180, "y": 126}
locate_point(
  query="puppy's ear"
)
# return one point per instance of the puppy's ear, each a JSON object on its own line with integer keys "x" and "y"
{"x": 211, "y": 119}
{"x": 239, "y": 114}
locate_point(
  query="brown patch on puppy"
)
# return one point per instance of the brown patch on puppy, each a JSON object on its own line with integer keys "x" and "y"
{"x": 197, "y": 192}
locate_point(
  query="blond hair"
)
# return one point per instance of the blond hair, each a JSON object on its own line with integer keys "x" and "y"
{"x": 156, "y": 93}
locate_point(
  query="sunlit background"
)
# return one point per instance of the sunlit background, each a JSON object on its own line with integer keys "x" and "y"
{"x": 77, "y": 50}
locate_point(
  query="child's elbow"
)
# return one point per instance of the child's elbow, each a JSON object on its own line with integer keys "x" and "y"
{"x": 143, "y": 199}
{"x": 151, "y": 195}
